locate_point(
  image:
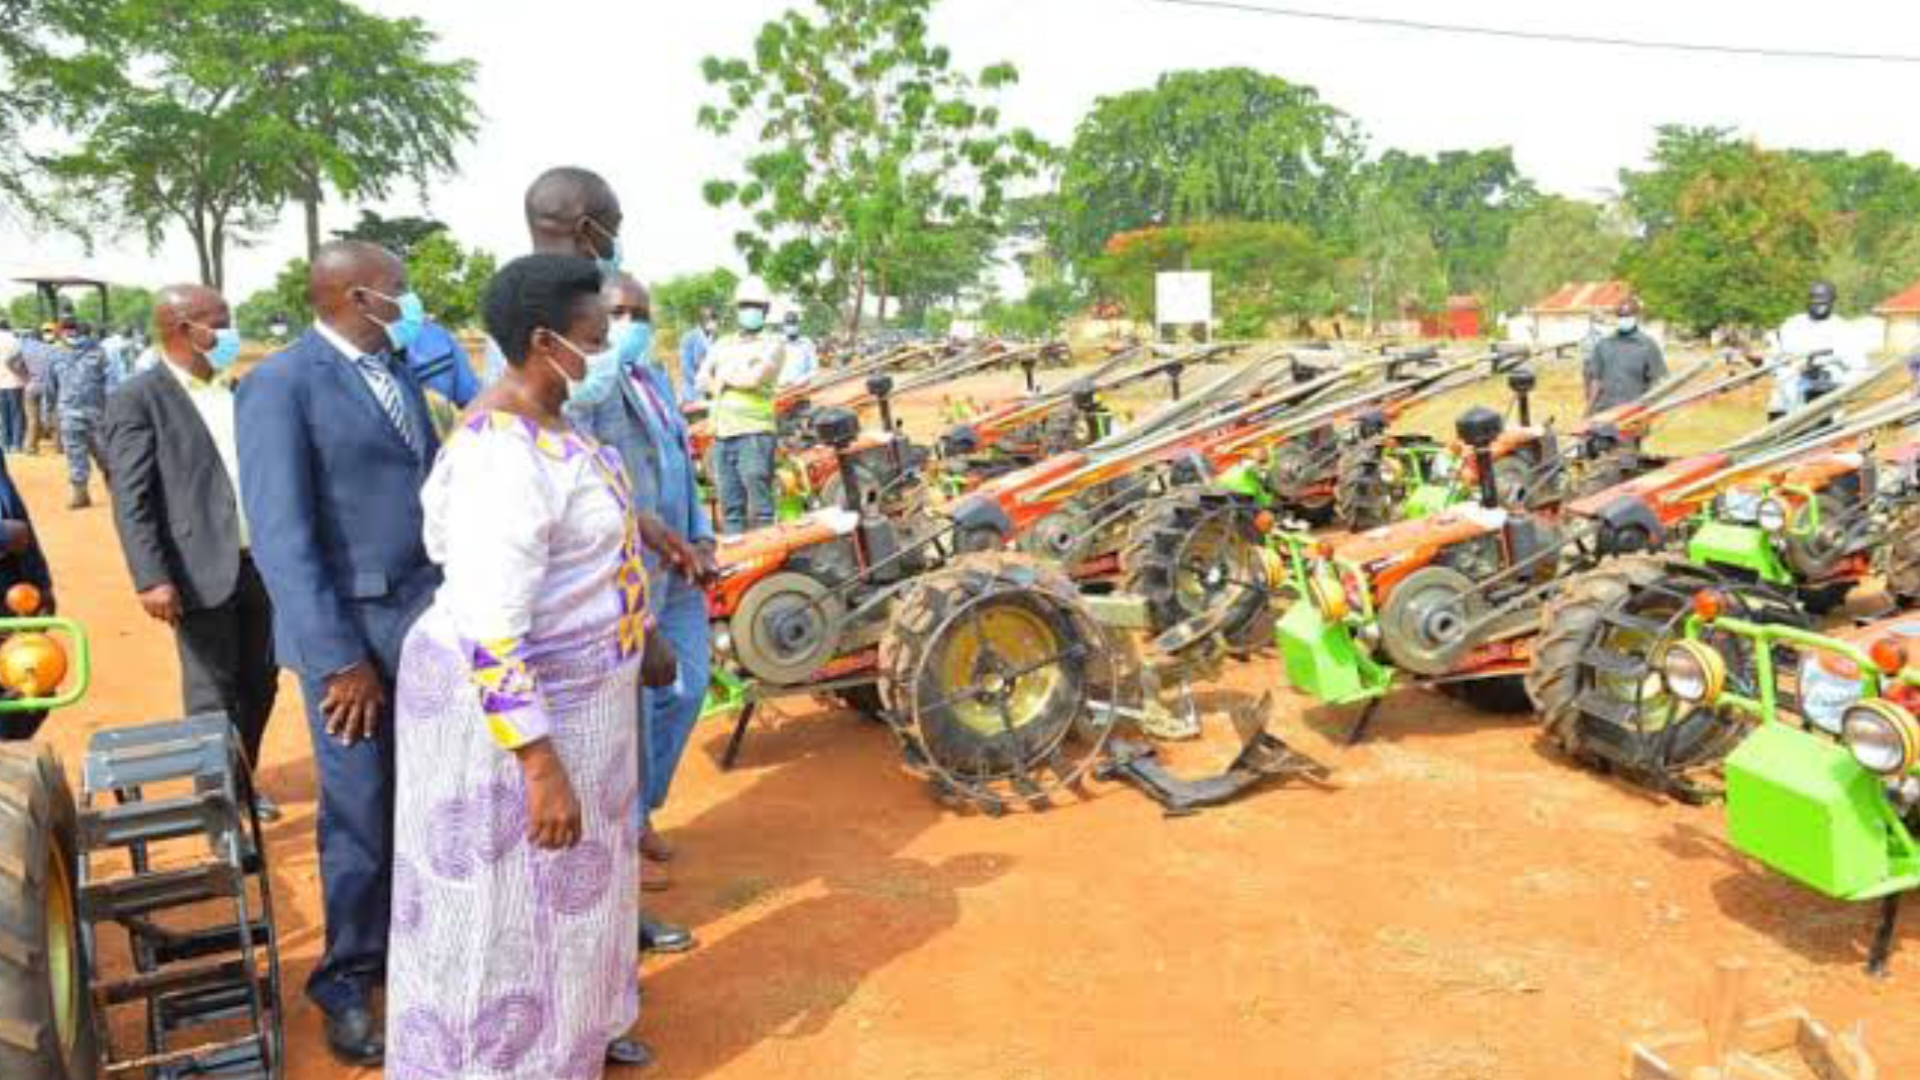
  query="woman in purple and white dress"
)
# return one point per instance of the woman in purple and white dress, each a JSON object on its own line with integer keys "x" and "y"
{"x": 515, "y": 886}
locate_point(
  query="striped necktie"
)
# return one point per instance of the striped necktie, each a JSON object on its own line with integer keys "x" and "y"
{"x": 387, "y": 389}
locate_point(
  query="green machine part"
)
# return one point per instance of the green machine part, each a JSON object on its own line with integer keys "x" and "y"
{"x": 1426, "y": 500}
{"x": 1800, "y": 804}
{"x": 726, "y": 693}
{"x": 1324, "y": 661}
{"x": 1245, "y": 480}
{"x": 1739, "y": 547}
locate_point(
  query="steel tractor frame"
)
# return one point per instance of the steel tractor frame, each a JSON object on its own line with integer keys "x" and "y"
{"x": 1824, "y": 785}
{"x": 162, "y": 836}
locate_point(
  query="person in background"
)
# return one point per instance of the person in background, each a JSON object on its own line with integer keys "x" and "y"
{"x": 803, "y": 360}
{"x": 118, "y": 348}
{"x": 443, "y": 371}
{"x": 1815, "y": 330}
{"x": 569, "y": 211}
{"x": 1624, "y": 365}
{"x": 694, "y": 346}
{"x": 39, "y": 354}
{"x": 13, "y": 391}
{"x": 740, "y": 376}
{"x": 81, "y": 380}
{"x": 516, "y": 872}
{"x": 335, "y": 443}
{"x": 174, "y": 471}
{"x": 627, "y": 403}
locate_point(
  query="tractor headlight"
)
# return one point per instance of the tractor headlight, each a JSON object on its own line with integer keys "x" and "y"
{"x": 1740, "y": 507}
{"x": 1826, "y": 694}
{"x": 1771, "y": 515}
{"x": 1881, "y": 735}
{"x": 1693, "y": 672}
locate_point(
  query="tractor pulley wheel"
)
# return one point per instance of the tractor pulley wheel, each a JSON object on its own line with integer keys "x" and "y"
{"x": 998, "y": 682}
{"x": 1816, "y": 553}
{"x": 1192, "y": 554}
{"x": 1425, "y": 620}
{"x": 1061, "y": 536}
{"x": 46, "y": 1012}
{"x": 786, "y": 627}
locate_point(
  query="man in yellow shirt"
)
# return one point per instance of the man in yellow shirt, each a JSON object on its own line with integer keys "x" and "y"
{"x": 740, "y": 377}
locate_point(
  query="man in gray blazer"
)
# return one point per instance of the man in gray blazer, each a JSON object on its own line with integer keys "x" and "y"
{"x": 175, "y": 477}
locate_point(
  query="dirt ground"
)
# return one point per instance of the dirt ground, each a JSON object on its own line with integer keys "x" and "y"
{"x": 1457, "y": 905}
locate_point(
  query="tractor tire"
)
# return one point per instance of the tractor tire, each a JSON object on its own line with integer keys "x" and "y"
{"x": 1361, "y": 496}
{"x": 1898, "y": 557}
{"x": 986, "y": 669}
{"x": 864, "y": 701}
{"x": 1158, "y": 565}
{"x": 1504, "y": 696}
{"x": 46, "y": 1011}
{"x": 1592, "y": 677}
{"x": 1295, "y": 467}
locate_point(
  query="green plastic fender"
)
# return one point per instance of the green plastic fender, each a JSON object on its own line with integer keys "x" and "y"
{"x": 1800, "y": 804}
{"x": 1324, "y": 661}
{"x": 1426, "y": 500}
{"x": 1244, "y": 479}
{"x": 1740, "y": 547}
{"x": 726, "y": 692}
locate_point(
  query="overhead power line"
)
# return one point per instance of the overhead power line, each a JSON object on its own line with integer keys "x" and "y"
{"x": 1552, "y": 37}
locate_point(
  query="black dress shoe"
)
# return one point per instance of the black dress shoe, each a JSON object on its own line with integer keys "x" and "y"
{"x": 354, "y": 1037}
{"x": 631, "y": 1053}
{"x": 656, "y": 936}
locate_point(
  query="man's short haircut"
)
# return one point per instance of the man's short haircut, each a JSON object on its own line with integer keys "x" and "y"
{"x": 536, "y": 292}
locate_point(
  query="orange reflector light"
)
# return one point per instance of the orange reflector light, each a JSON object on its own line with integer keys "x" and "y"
{"x": 1706, "y": 605}
{"x": 24, "y": 599}
{"x": 1263, "y": 522}
{"x": 1888, "y": 654}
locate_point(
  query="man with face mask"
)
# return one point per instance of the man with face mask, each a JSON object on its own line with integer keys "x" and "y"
{"x": 740, "y": 376}
{"x": 81, "y": 379}
{"x": 803, "y": 360}
{"x": 174, "y": 470}
{"x": 1622, "y": 366}
{"x": 627, "y": 402}
{"x": 1848, "y": 343}
{"x": 335, "y": 443}
{"x": 694, "y": 345}
{"x": 569, "y": 211}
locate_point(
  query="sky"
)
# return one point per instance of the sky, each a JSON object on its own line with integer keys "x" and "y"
{"x": 614, "y": 85}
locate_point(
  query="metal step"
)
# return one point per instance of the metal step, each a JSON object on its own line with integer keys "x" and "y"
{"x": 198, "y": 748}
{"x": 1615, "y": 664}
{"x": 210, "y": 1005}
{"x": 1629, "y": 621}
{"x": 153, "y": 821}
{"x": 178, "y": 979}
{"x": 132, "y": 897}
{"x": 172, "y": 947}
{"x": 1611, "y": 710}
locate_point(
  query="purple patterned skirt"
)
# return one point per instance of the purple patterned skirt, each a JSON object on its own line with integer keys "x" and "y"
{"x": 505, "y": 961}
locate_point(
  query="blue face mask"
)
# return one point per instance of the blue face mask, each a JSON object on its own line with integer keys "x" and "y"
{"x": 603, "y": 374}
{"x": 225, "y": 350}
{"x": 405, "y": 330}
{"x": 609, "y": 264}
{"x": 752, "y": 319}
{"x": 635, "y": 339}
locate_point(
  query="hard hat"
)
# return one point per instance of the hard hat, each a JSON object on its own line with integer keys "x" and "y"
{"x": 752, "y": 291}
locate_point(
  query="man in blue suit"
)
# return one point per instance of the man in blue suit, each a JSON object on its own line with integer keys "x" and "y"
{"x": 334, "y": 445}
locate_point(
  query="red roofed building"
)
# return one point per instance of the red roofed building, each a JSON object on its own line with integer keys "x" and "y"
{"x": 1572, "y": 310}
{"x": 1902, "y": 314}
{"x": 1460, "y": 319}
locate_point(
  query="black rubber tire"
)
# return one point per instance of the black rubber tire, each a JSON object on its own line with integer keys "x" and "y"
{"x": 1567, "y": 627}
{"x": 1149, "y": 564}
{"x": 915, "y": 632}
{"x": 1361, "y": 500}
{"x": 37, "y": 824}
{"x": 1505, "y": 696}
{"x": 864, "y": 700}
{"x": 1898, "y": 557}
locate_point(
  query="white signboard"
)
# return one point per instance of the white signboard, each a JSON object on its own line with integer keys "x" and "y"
{"x": 1182, "y": 298}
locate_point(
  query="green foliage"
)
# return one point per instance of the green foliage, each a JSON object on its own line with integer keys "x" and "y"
{"x": 1680, "y": 154}
{"x": 1230, "y": 144}
{"x": 1744, "y": 242}
{"x": 1467, "y": 199}
{"x": 450, "y": 279}
{"x": 210, "y": 114}
{"x": 1874, "y": 246}
{"x": 401, "y": 235}
{"x": 287, "y": 299}
{"x": 1263, "y": 273}
{"x": 876, "y": 166}
{"x": 1866, "y": 274}
{"x": 23, "y": 310}
{"x": 1394, "y": 265}
{"x": 130, "y": 306}
{"x": 678, "y": 302}
{"x": 1555, "y": 241}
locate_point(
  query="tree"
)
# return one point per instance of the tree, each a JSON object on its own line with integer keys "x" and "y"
{"x": 1263, "y": 273}
{"x": 1230, "y": 144}
{"x": 1468, "y": 201}
{"x": 866, "y": 142}
{"x": 678, "y": 302}
{"x": 1874, "y": 246}
{"x": 1555, "y": 241}
{"x": 1680, "y": 154}
{"x": 1744, "y": 241}
{"x": 1394, "y": 265}
{"x": 400, "y": 235}
{"x": 450, "y": 279}
{"x": 210, "y": 114}
{"x": 130, "y": 305}
{"x": 286, "y": 299}
{"x": 1865, "y": 274}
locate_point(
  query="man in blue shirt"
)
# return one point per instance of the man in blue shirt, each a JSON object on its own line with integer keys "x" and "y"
{"x": 81, "y": 379}
{"x": 694, "y": 346}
